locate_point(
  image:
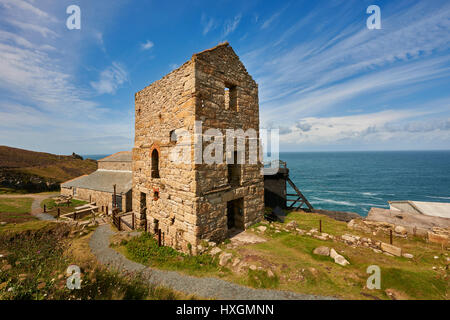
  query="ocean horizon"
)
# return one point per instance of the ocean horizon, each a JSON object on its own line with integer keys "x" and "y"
{"x": 356, "y": 181}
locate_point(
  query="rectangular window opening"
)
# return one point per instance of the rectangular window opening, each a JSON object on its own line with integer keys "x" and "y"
{"x": 230, "y": 97}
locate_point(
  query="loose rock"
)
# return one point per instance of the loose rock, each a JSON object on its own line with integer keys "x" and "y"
{"x": 224, "y": 258}
{"x": 322, "y": 251}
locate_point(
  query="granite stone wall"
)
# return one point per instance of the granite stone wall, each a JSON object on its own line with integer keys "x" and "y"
{"x": 189, "y": 200}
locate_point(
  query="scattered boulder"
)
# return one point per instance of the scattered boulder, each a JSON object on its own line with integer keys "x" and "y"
{"x": 321, "y": 237}
{"x": 262, "y": 228}
{"x": 224, "y": 258}
{"x": 2, "y": 223}
{"x": 400, "y": 230}
{"x": 270, "y": 273}
{"x": 338, "y": 258}
{"x": 292, "y": 225}
{"x": 322, "y": 251}
{"x": 211, "y": 244}
{"x": 215, "y": 251}
{"x": 358, "y": 224}
{"x": 348, "y": 238}
{"x": 438, "y": 238}
{"x": 396, "y": 251}
{"x": 300, "y": 231}
{"x": 253, "y": 267}
{"x": 236, "y": 261}
{"x": 407, "y": 255}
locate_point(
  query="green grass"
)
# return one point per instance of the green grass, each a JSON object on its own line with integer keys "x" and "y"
{"x": 52, "y": 207}
{"x": 260, "y": 279}
{"x": 38, "y": 255}
{"x": 4, "y": 190}
{"x": 296, "y": 268}
{"x": 16, "y": 205}
{"x": 144, "y": 249}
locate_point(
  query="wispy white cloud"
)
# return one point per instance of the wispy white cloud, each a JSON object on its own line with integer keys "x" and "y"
{"x": 231, "y": 25}
{"x": 382, "y": 126}
{"x": 44, "y": 31}
{"x": 42, "y": 106}
{"x": 208, "y": 23}
{"x": 111, "y": 79}
{"x": 268, "y": 22}
{"x": 147, "y": 45}
{"x": 27, "y": 7}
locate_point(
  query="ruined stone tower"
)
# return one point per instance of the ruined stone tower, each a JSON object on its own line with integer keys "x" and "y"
{"x": 191, "y": 201}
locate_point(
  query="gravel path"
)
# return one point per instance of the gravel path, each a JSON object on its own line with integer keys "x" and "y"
{"x": 201, "y": 287}
{"x": 36, "y": 209}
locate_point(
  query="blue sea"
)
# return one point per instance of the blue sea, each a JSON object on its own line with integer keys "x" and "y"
{"x": 357, "y": 181}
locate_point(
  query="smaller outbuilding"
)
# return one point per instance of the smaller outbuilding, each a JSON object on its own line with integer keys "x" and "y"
{"x": 98, "y": 187}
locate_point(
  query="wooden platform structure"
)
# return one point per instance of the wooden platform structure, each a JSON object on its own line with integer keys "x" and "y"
{"x": 298, "y": 200}
{"x": 275, "y": 191}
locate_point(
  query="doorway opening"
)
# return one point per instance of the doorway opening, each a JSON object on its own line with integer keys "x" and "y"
{"x": 235, "y": 214}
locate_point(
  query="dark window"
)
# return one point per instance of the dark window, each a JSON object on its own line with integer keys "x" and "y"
{"x": 234, "y": 171}
{"x": 235, "y": 215}
{"x": 156, "y": 226}
{"x": 143, "y": 203}
{"x": 230, "y": 97}
{"x": 117, "y": 201}
{"x": 156, "y": 195}
{"x": 155, "y": 164}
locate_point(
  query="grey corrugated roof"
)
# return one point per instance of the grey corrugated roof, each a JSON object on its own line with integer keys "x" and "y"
{"x": 103, "y": 180}
{"x": 122, "y": 156}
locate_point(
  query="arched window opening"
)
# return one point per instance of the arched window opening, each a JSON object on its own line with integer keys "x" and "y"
{"x": 155, "y": 164}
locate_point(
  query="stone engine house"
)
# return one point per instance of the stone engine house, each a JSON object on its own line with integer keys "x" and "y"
{"x": 191, "y": 201}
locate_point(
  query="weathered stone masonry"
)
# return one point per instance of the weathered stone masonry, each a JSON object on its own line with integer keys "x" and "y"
{"x": 190, "y": 202}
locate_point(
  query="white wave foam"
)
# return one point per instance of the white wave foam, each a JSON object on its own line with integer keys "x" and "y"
{"x": 445, "y": 198}
{"x": 342, "y": 203}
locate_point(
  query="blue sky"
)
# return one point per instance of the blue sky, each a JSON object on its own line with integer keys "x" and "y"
{"x": 325, "y": 80}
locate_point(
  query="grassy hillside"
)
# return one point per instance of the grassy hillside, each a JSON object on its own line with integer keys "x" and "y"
{"x": 38, "y": 171}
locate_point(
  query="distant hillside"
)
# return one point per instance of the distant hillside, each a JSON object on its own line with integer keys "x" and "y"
{"x": 39, "y": 171}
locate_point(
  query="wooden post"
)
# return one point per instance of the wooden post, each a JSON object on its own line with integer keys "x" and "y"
{"x": 114, "y": 197}
{"x": 107, "y": 211}
{"x": 103, "y": 209}
{"x": 120, "y": 220}
{"x": 159, "y": 237}
{"x": 145, "y": 225}
{"x": 74, "y": 215}
{"x": 59, "y": 213}
{"x": 132, "y": 221}
{"x": 320, "y": 226}
{"x": 90, "y": 198}
{"x": 390, "y": 236}
{"x": 68, "y": 203}
{"x": 45, "y": 208}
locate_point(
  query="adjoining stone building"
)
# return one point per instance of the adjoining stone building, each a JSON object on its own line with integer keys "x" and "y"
{"x": 192, "y": 201}
{"x": 98, "y": 186}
